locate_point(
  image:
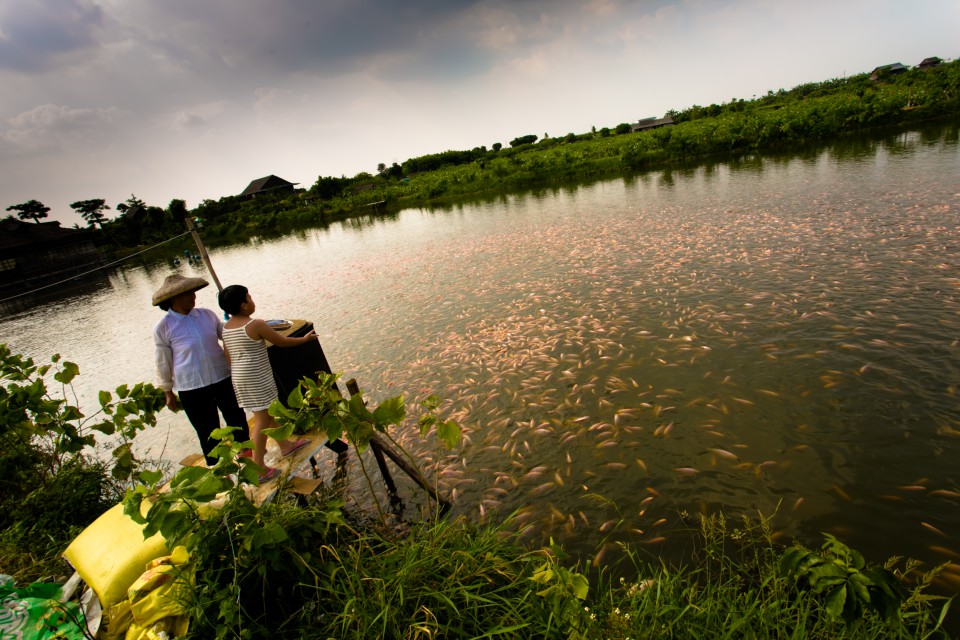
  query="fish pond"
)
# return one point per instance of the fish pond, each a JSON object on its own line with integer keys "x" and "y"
{"x": 774, "y": 335}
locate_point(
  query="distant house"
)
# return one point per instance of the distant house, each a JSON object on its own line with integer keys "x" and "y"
{"x": 651, "y": 123}
{"x": 33, "y": 254}
{"x": 270, "y": 184}
{"x": 887, "y": 70}
{"x": 929, "y": 62}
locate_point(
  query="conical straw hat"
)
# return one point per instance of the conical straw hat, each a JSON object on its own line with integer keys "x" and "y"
{"x": 175, "y": 285}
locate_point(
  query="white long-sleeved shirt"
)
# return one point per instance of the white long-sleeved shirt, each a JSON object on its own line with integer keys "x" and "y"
{"x": 189, "y": 355}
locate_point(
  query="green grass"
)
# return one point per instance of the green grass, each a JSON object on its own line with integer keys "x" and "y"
{"x": 451, "y": 579}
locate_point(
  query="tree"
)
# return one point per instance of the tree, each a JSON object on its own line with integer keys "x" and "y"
{"x": 30, "y": 209}
{"x": 178, "y": 209}
{"x": 91, "y": 211}
{"x": 528, "y": 139}
{"x": 130, "y": 204}
{"x": 133, "y": 212}
{"x": 327, "y": 188}
{"x": 497, "y": 146}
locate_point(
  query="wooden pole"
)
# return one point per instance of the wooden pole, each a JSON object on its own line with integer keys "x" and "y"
{"x": 381, "y": 448}
{"x": 203, "y": 252}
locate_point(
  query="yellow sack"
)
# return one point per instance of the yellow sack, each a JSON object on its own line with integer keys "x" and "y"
{"x": 155, "y": 601}
{"x": 111, "y": 553}
{"x": 116, "y": 620}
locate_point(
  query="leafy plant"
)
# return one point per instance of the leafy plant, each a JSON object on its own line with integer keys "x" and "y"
{"x": 562, "y": 589}
{"x": 849, "y": 587}
{"x": 52, "y": 486}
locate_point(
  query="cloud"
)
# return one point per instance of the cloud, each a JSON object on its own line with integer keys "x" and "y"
{"x": 260, "y": 40}
{"x": 50, "y": 125}
{"x": 187, "y": 120}
{"x": 37, "y": 36}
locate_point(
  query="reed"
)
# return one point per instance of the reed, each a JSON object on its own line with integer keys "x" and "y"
{"x": 452, "y": 579}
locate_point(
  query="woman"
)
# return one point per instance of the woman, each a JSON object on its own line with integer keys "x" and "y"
{"x": 244, "y": 341}
{"x": 191, "y": 362}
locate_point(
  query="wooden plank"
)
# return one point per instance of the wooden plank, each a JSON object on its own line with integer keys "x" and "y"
{"x": 289, "y": 466}
{"x": 304, "y": 486}
{"x": 194, "y": 460}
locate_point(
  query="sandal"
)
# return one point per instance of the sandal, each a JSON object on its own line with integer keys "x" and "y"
{"x": 270, "y": 475}
{"x": 299, "y": 444}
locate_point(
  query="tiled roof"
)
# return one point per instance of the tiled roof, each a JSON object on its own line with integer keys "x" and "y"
{"x": 265, "y": 184}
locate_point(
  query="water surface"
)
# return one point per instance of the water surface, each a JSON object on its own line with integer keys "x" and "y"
{"x": 774, "y": 335}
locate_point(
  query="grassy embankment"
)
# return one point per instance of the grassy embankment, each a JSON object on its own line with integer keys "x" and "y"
{"x": 778, "y": 121}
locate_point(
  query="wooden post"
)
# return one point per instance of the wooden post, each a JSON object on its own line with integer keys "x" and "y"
{"x": 381, "y": 448}
{"x": 354, "y": 389}
{"x": 203, "y": 252}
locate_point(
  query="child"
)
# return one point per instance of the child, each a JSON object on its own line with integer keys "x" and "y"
{"x": 243, "y": 341}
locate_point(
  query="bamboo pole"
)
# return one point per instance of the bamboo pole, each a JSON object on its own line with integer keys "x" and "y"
{"x": 203, "y": 252}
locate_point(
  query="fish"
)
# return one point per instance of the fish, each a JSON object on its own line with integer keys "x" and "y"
{"x": 723, "y": 453}
{"x": 930, "y": 527}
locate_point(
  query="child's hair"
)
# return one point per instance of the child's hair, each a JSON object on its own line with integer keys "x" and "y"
{"x": 232, "y": 297}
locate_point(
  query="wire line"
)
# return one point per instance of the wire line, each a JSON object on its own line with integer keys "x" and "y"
{"x": 103, "y": 266}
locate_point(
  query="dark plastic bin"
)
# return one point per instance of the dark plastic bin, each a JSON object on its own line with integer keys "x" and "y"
{"x": 290, "y": 364}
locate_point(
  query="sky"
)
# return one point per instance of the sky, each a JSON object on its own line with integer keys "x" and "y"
{"x": 194, "y": 99}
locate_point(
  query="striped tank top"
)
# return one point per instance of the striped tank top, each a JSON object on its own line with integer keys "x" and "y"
{"x": 250, "y": 369}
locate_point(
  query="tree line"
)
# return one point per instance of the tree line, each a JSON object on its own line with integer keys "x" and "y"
{"x": 808, "y": 112}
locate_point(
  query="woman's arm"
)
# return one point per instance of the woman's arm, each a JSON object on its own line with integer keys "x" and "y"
{"x": 260, "y": 329}
{"x": 164, "y": 357}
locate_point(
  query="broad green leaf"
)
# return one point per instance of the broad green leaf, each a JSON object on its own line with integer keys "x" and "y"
{"x": 277, "y": 410}
{"x": 149, "y": 477}
{"x": 390, "y": 411}
{"x": 188, "y": 475}
{"x": 426, "y": 422}
{"x": 449, "y": 433}
{"x": 67, "y": 373}
{"x": 223, "y": 432}
{"x": 70, "y": 413}
{"x": 295, "y": 399}
{"x": 249, "y": 471}
{"x": 123, "y": 391}
{"x": 332, "y": 426}
{"x": 279, "y": 433}
{"x": 580, "y": 586}
{"x": 205, "y": 488}
{"x": 131, "y": 507}
{"x": 836, "y": 600}
{"x": 358, "y": 408}
{"x": 361, "y": 435}
{"x": 175, "y": 525}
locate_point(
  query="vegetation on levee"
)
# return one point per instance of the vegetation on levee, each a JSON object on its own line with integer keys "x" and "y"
{"x": 311, "y": 568}
{"x": 779, "y": 120}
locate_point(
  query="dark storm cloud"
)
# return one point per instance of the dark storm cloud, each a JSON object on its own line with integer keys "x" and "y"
{"x": 418, "y": 38}
{"x": 36, "y": 36}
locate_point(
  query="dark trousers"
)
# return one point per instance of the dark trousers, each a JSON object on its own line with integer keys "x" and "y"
{"x": 201, "y": 407}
